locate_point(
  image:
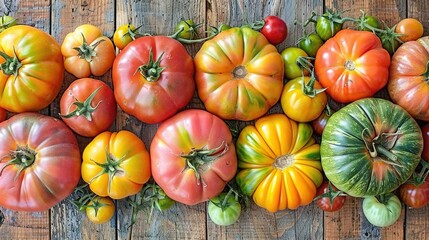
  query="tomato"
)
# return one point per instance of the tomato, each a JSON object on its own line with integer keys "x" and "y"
{"x": 328, "y": 24}
{"x": 425, "y": 133}
{"x": 87, "y": 51}
{"x": 187, "y": 29}
{"x": 100, "y": 209}
{"x": 329, "y": 199}
{"x": 382, "y": 211}
{"x": 320, "y": 122}
{"x": 88, "y": 106}
{"x": 303, "y": 99}
{"x": 410, "y": 29}
{"x": 239, "y": 74}
{"x": 193, "y": 156}
{"x": 3, "y": 114}
{"x": 32, "y": 69}
{"x": 124, "y": 35}
{"x": 7, "y": 22}
{"x": 294, "y": 62}
{"x": 116, "y": 164}
{"x": 370, "y": 147}
{"x": 310, "y": 44}
{"x": 274, "y": 29}
{"x": 39, "y": 162}
{"x": 389, "y": 40}
{"x": 352, "y": 65}
{"x": 415, "y": 192}
{"x": 368, "y": 23}
{"x": 153, "y": 78}
{"x": 408, "y": 78}
{"x": 279, "y": 163}
{"x": 224, "y": 210}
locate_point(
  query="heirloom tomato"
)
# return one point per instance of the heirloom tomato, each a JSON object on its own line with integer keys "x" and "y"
{"x": 328, "y": 24}
{"x": 382, "y": 211}
{"x": 32, "y": 69}
{"x": 410, "y": 29}
{"x": 224, "y": 209}
{"x": 370, "y": 147}
{"x": 311, "y": 44}
{"x": 87, "y": 51}
{"x": 88, "y": 106}
{"x": 294, "y": 62}
{"x": 279, "y": 162}
{"x": 39, "y": 162}
{"x": 153, "y": 78}
{"x": 303, "y": 99}
{"x": 100, "y": 209}
{"x": 274, "y": 29}
{"x": 415, "y": 192}
{"x": 3, "y": 114}
{"x": 329, "y": 198}
{"x": 239, "y": 74}
{"x": 425, "y": 133}
{"x": 124, "y": 35}
{"x": 352, "y": 65}
{"x": 116, "y": 164}
{"x": 409, "y": 74}
{"x": 193, "y": 156}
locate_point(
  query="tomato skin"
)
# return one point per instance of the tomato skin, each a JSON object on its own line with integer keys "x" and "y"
{"x": 411, "y": 28}
{"x": 310, "y": 44}
{"x": 124, "y": 35}
{"x": 382, "y": 213}
{"x": 425, "y": 133}
{"x": 300, "y": 105}
{"x": 100, "y": 210}
{"x": 353, "y": 142}
{"x": 239, "y": 74}
{"x": 96, "y": 58}
{"x": 352, "y": 65}
{"x": 153, "y": 99}
{"x": 53, "y": 174}
{"x": 227, "y": 215}
{"x": 415, "y": 194}
{"x": 181, "y": 137}
{"x": 40, "y": 56}
{"x": 407, "y": 85}
{"x": 274, "y": 29}
{"x": 325, "y": 203}
{"x": 122, "y": 160}
{"x": 290, "y": 58}
{"x": 279, "y": 163}
{"x": 93, "y": 117}
{"x": 3, "y": 114}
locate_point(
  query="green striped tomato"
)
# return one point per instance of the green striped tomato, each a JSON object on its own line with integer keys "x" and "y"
{"x": 370, "y": 147}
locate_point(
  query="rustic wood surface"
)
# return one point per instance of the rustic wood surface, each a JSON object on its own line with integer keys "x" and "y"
{"x": 64, "y": 221}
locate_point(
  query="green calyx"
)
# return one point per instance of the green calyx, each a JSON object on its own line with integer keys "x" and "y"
{"x": 11, "y": 65}
{"x": 152, "y": 70}
{"x": 87, "y": 51}
{"x": 22, "y": 157}
{"x": 84, "y": 108}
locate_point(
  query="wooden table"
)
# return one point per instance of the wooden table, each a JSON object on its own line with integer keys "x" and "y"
{"x": 64, "y": 221}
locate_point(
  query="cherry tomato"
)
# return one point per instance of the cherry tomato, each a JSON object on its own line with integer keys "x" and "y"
{"x": 319, "y": 123}
{"x": 310, "y": 44}
{"x": 425, "y": 133}
{"x": 274, "y": 29}
{"x": 368, "y": 22}
{"x": 3, "y": 114}
{"x": 415, "y": 192}
{"x": 189, "y": 29}
{"x": 329, "y": 198}
{"x": 411, "y": 28}
{"x": 292, "y": 58}
{"x": 327, "y": 25}
{"x": 100, "y": 210}
{"x": 124, "y": 35}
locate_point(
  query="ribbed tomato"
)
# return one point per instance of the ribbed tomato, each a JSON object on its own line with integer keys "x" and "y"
{"x": 408, "y": 81}
{"x": 370, "y": 147}
{"x": 279, "y": 162}
{"x": 239, "y": 74}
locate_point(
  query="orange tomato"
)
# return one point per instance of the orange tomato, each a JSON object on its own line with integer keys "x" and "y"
{"x": 410, "y": 28}
{"x": 87, "y": 51}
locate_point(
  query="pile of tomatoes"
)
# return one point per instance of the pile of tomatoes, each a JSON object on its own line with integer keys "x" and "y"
{"x": 195, "y": 156}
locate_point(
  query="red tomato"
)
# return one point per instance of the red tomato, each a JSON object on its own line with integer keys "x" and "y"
{"x": 319, "y": 123}
{"x": 274, "y": 29}
{"x": 193, "y": 156}
{"x": 39, "y": 162}
{"x": 153, "y": 77}
{"x": 88, "y": 106}
{"x": 329, "y": 198}
{"x": 352, "y": 65}
{"x": 410, "y": 28}
{"x": 3, "y": 114}
{"x": 425, "y": 133}
{"x": 415, "y": 192}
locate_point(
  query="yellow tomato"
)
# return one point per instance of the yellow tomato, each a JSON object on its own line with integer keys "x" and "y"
{"x": 100, "y": 210}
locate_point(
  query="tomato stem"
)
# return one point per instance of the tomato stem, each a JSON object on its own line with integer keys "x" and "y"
{"x": 152, "y": 70}
{"x": 11, "y": 65}
{"x": 22, "y": 157}
{"x": 87, "y": 51}
{"x": 83, "y": 108}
